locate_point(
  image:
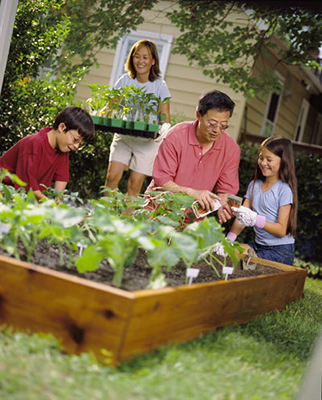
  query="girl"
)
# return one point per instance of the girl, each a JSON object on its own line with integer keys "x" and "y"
{"x": 271, "y": 203}
{"x": 138, "y": 153}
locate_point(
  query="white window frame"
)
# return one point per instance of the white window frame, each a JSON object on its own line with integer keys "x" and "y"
{"x": 122, "y": 51}
{"x": 317, "y": 135}
{"x": 301, "y": 122}
{"x": 266, "y": 121}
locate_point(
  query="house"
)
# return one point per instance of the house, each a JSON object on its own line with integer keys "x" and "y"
{"x": 296, "y": 113}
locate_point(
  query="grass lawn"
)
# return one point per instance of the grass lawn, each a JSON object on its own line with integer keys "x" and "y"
{"x": 263, "y": 359}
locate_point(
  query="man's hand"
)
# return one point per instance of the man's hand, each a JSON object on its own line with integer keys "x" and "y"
{"x": 204, "y": 198}
{"x": 247, "y": 217}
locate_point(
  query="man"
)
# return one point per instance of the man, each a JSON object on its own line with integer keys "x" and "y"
{"x": 196, "y": 157}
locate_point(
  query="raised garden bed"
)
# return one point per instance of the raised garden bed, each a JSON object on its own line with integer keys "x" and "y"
{"x": 90, "y": 317}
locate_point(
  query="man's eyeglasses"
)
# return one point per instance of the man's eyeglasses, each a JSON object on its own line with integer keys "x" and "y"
{"x": 216, "y": 125}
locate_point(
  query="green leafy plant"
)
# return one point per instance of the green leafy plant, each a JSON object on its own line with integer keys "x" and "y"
{"x": 112, "y": 228}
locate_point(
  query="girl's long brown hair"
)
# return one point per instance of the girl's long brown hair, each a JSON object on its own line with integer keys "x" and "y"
{"x": 282, "y": 148}
{"x": 155, "y": 69}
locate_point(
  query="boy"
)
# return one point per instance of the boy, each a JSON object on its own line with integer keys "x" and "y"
{"x": 41, "y": 158}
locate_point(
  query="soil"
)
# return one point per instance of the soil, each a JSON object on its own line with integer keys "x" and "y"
{"x": 136, "y": 277}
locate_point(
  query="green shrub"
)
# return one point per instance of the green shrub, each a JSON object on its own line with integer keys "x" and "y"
{"x": 88, "y": 166}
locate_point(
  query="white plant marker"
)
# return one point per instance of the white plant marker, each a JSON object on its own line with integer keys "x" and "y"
{"x": 192, "y": 273}
{"x": 227, "y": 271}
{"x": 4, "y": 228}
{"x": 81, "y": 247}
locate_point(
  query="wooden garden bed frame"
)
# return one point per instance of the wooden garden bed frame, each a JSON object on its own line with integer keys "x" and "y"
{"x": 88, "y": 317}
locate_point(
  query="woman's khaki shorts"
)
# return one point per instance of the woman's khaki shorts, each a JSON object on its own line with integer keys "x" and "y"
{"x": 135, "y": 152}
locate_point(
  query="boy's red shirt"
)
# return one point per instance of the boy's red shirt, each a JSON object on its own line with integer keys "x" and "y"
{"x": 35, "y": 162}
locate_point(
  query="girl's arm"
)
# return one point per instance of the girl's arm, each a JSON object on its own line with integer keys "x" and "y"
{"x": 247, "y": 217}
{"x": 279, "y": 228}
{"x": 165, "y": 109}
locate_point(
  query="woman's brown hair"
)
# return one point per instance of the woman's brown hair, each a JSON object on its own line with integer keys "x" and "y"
{"x": 155, "y": 69}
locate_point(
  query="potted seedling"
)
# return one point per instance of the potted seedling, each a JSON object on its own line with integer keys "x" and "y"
{"x": 128, "y": 103}
{"x": 152, "y": 107}
{"x": 114, "y": 106}
{"x": 95, "y": 106}
{"x": 106, "y": 104}
{"x": 137, "y": 103}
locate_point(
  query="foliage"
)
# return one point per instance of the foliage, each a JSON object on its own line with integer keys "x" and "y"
{"x": 94, "y": 25}
{"x": 226, "y": 51}
{"x": 314, "y": 269}
{"x": 263, "y": 359}
{"x": 112, "y": 228}
{"x": 88, "y": 166}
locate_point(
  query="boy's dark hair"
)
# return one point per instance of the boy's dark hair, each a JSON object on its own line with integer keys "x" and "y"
{"x": 215, "y": 100}
{"x": 155, "y": 69}
{"x": 283, "y": 148}
{"x": 75, "y": 118}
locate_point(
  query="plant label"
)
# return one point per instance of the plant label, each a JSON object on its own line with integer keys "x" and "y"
{"x": 81, "y": 247}
{"x": 227, "y": 271}
{"x": 192, "y": 273}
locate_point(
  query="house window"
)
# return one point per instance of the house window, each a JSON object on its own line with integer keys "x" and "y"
{"x": 268, "y": 126}
{"x": 163, "y": 43}
{"x": 301, "y": 123}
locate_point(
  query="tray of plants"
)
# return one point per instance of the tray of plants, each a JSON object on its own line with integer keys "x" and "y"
{"x": 127, "y": 131}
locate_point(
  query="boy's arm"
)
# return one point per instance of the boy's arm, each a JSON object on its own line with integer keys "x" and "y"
{"x": 39, "y": 195}
{"x": 60, "y": 186}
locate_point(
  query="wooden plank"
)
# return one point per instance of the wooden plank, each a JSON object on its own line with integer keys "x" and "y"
{"x": 183, "y": 313}
{"x": 85, "y": 316}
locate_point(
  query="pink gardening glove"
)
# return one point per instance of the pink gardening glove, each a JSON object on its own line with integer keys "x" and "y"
{"x": 247, "y": 217}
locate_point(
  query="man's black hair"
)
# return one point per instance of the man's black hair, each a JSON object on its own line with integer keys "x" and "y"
{"x": 215, "y": 100}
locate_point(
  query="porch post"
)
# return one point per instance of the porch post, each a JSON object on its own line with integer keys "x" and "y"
{"x": 8, "y": 9}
